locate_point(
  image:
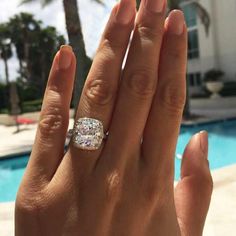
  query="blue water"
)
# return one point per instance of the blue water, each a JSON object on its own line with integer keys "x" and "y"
{"x": 222, "y": 152}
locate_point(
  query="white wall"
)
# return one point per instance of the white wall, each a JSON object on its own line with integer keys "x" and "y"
{"x": 218, "y": 49}
{"x": 226, "y": 36}
{"x": 207, "y": 57}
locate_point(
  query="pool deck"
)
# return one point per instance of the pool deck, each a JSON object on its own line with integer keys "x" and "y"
{"x": 12, "y": 143}
{"x": 221, "y": 217}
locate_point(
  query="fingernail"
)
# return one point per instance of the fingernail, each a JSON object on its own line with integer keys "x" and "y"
{"x": 175, "y": 22}
{"x": 65, "y": 57}
{"x": 155, "y": 5}
{"x": 126, "y": 11}
{"x": 204, "y": 142}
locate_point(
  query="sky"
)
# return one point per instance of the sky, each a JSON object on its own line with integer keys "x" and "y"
{"x": 93, "y": 17}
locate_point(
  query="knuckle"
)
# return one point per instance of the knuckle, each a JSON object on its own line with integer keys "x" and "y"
{"x": 26, "y": 208}
{"x": 208, "y": 182}
{"x": 141, "y": 83}
{"x": 154, "y": 190}
{"x": 148, "y": 33}
{"x": 29, "y": 204}
{"x": 113, "y": 186}
{"x": 173, "y": 97}
{"x": 99, "y": 92}
{"x": 150, "y": 193}
{"x": 153, "y": 194}
{"x": 51, "y": 122}
{"x": 109, "y": 44}
{"x": 203, "y": 184}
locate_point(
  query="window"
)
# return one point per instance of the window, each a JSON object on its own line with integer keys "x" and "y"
{"x": 193, "y": 45}
{"x": 190, "y": 15}
{"x": 194, "y": 79}
{"x": 191, "y": 20}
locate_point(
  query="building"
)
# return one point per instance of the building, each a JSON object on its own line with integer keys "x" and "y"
{"x": 217, "y": 50}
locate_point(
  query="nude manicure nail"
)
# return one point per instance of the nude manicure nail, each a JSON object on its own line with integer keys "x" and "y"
{"x": 204, "y": 142}
{"x": 155, "y": 5}
{"x": 175, "y": 22}
{"x": 126, "y": 11}
{"x": 65, "y": 57}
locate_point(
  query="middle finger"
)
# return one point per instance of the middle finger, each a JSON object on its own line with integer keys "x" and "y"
{"x": 139, "y": 80}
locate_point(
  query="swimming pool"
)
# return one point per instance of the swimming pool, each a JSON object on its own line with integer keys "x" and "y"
{"x": 222, "y": 140}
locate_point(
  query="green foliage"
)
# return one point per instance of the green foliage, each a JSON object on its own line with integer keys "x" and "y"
{"x": 213, "y": 75}
{"x": 4, "y": 111}
{"x": 3, "y": 96}
{"x": 37, "y": 102}
{"x": 32, "y": 106}
{"x": 29, "y": 96}
{"x": 229, "y": 89}
{"x": 35, "y": 47}
{"x": 5, "y": 42}
{"x": 5, "y": 48}
{"x": 43, "y": 2}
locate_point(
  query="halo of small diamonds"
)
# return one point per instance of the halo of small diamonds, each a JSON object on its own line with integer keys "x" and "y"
{"x": 88, "y": 134}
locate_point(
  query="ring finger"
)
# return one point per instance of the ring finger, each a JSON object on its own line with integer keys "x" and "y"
{"x": 100, "y": 89}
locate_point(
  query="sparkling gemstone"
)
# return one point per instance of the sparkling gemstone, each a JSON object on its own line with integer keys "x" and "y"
{"x": 88, "y": 133}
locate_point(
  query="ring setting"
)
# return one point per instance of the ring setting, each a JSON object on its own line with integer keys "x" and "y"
{"x": 88, "y": 134}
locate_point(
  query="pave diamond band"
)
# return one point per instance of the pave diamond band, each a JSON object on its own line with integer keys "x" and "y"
{"x": 88, "y": 134}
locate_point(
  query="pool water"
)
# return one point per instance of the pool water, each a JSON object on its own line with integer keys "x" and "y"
{"x": 222, "y": 149}
{"x": 11, "y": 172}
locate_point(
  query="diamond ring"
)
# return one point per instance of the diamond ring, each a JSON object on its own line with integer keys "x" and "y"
{"x": 88, "y": 134}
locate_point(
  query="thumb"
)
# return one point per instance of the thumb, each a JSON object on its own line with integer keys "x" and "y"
{"x": 193, "y": 192}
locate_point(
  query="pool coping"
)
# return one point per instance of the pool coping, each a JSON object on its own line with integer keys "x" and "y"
{"x": 205, "y": 121}
{"x": 16, "y": 154}
{"x": 184, "y": 124}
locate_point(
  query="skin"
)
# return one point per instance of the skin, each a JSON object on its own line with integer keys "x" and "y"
{"x": 126, "y": 186}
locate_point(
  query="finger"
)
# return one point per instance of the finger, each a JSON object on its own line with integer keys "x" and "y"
{"x": 48, "y": 148}
{"x": 101, "y": 86}
{"x": 162, "y": 128}
{"x": 139, "y": 80}
{"x": 193, "y": 192}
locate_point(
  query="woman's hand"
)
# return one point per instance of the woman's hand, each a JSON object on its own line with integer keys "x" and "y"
{"x": 124, "y": 188}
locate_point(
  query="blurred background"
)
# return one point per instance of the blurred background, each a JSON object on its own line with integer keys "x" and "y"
{"x": 31, "y": 32}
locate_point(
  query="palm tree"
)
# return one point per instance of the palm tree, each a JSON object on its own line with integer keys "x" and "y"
{"x": 5, "y": 48}
{"x": 76, "y": 39}
{"x": 24, "y": 29}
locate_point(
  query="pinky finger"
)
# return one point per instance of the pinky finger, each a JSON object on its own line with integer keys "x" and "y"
{"x": 193, "y": 192}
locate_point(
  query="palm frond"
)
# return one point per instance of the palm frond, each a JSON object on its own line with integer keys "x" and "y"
{"x": 43, "y": 2}
{"x": 100, "y": 2}
{"x": 46, "y": 2}
{"x": 203, "y": 15}
{"x": 26, "y": 1}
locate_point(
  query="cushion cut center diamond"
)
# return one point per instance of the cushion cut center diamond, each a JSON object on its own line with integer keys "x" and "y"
{"x": 88, "y": 133}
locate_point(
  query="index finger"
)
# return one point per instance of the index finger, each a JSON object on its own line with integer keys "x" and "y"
{"x": 48, "y": 148}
